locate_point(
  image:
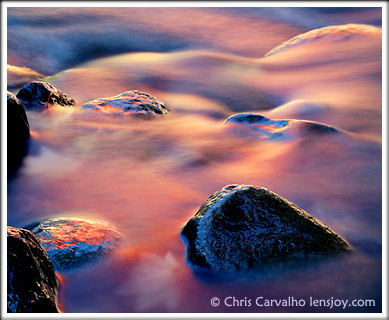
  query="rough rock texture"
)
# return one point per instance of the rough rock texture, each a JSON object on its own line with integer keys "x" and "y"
{"x": 133, "y": 102}
{"x": 38, "y": 95}
{"x": 73, "y": 242}
{"x": 18, "y": 131}
{"x": 255, "y": 125}
{"x": 32, "y": 284}
{"x": 332, "y": 33}
{"x": 241, "y": 225}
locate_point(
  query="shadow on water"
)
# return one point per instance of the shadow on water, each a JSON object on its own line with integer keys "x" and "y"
{"x": 296, "y": 279}
{"x": 282, "y": 269}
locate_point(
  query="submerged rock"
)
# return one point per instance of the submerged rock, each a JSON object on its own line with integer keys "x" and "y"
{"x": 257, "y": 126}
{"x": 19, "y": 76}
{"x": 242, "y": 225}
{"x": 32, "y": 284}
{"x": 133, "y": 102}
{"x": 38, "y": 95}
{"x": 18, "y": 131}
{"x": 73, "y": 242}
{"x": 332, "y": 33}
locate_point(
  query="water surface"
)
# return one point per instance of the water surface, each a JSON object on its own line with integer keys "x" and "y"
{"x": 148, "y": 178}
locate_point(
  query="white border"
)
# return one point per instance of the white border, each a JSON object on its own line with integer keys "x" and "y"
{"x": 382, "y": 4}
{"x": 303, "y": 4}
{"x": 385, "y": 211}
{"x": 3, "y": 160}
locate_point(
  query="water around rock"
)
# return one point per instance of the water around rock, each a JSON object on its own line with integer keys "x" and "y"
{"x": 19, "y": 76}
{"x": 72, "y": 242}
{"x": 241, "y": 226}
{"x": 32, "y": 283}
{"x": 38, "y": 95}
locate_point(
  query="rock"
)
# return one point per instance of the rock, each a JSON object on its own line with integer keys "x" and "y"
{"x": 133, "y": 102}
{"x": 241, "y": 226}
{"x": 257, "y": 126}
{"x": 71, "y": 242}
{"x": 32, "y": 284}
{"x": 18, "y": 131}
{"x": 38, "y": 95}
{"x": 331, "y": 33}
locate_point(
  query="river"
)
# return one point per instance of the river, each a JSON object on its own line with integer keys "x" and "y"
{"x": 147, "y": 178}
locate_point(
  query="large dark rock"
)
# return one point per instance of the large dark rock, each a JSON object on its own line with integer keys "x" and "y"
{"x": 135, "y": 103}
{"x": 241, "y": 226}
{"x": 73, "y": 242}
{"x": 18, "y": 131}
{"x": 257, "y": 126}
{"x": 38, "y": 95}
{"x": 32, "y": 284}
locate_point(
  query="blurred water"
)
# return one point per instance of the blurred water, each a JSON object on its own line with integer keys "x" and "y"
{"x": 149, "y": 177}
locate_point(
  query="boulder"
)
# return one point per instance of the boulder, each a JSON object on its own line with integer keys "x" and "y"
{"x": 257, "y": 126}
{"x": 135, "y": 103}
{"x": 38, "y": 95}
{"x": 18, "y": 131}
{"x": 241, "y": 226}
{"x": 72, "y": 242}
{"x": 32, "y": 283}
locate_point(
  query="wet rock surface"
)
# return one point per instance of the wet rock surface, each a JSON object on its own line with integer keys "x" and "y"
{"x": 132, "y": 102}
{"x": 18, "y": 131}
{"x": 257, "y": 126}
{"x": 72, "y": 242}
{"x": 241, "y": 226}
{"x": 38, "y": 95}
{"x": 32, "y": 284}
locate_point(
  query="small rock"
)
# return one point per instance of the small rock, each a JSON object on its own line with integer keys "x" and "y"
{"x": 18, "y": 131}
{"x": 133, "y": 102}
{"x": 38, "y": 95}
{"x": 72, "y": 242}
{"x": 241, "y": 226}
{"x": 32, "y": 284}
{"x": 257, "y": 126}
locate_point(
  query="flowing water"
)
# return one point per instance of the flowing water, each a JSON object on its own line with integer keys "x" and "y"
{"x": 148, "y": 178}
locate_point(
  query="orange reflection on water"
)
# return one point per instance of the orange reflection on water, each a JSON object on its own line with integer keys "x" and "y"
{"x": 60, "y": 296}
